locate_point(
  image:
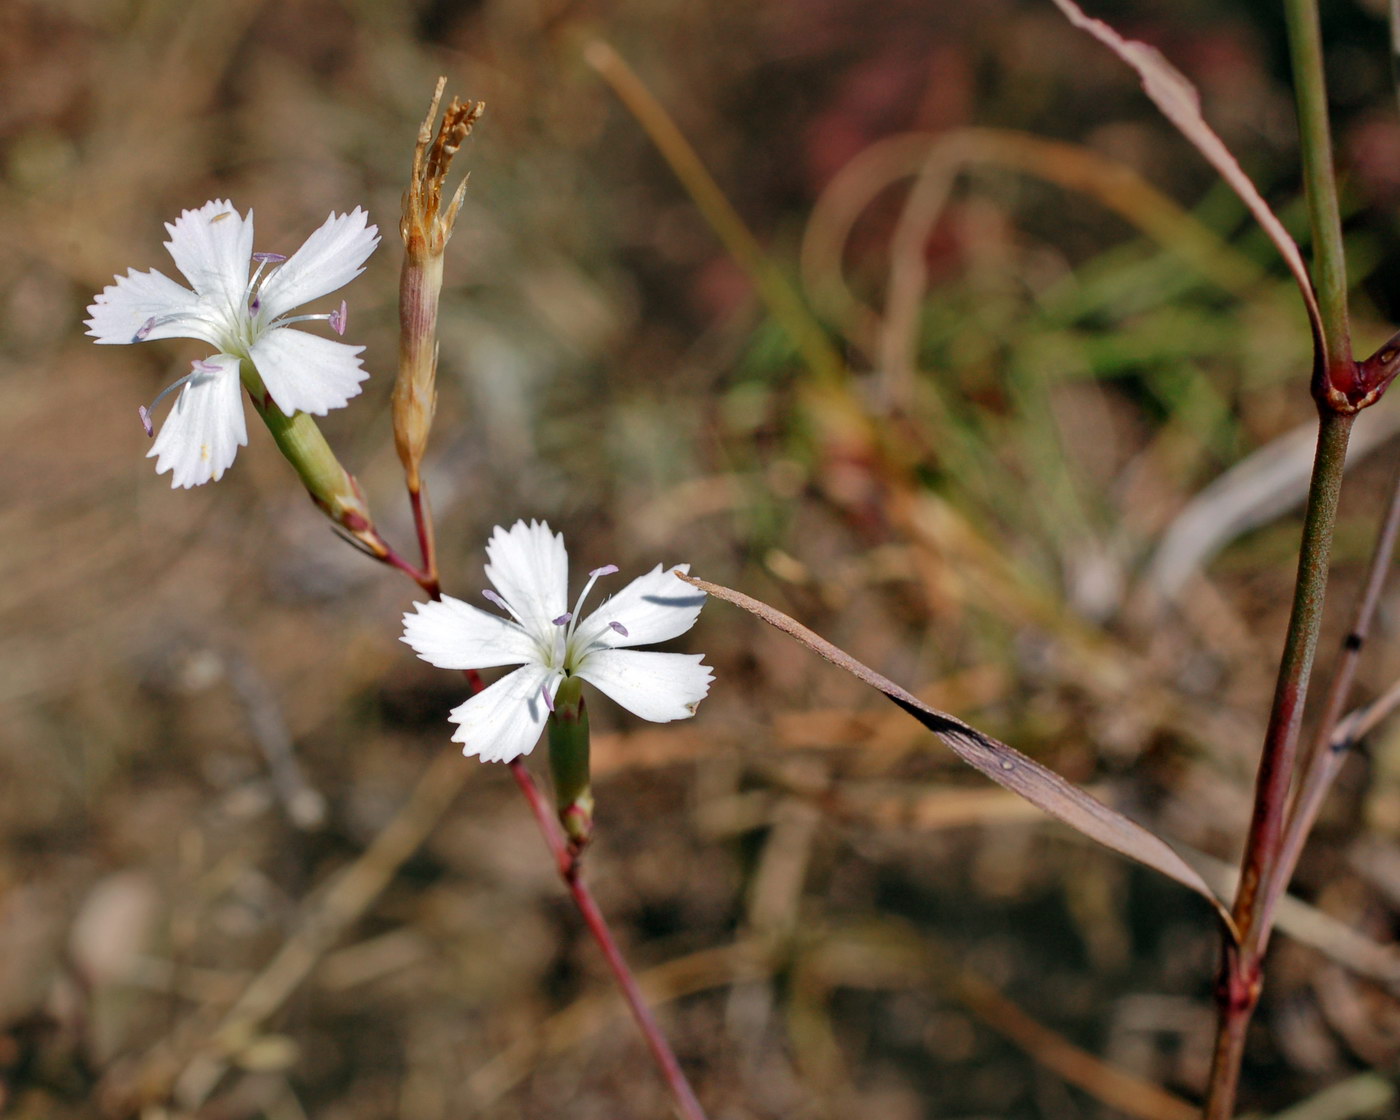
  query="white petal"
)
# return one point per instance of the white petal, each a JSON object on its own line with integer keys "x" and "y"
{"x": 205, "y": 427}
{"x": 122, "y": 309}
{"x": 213, "y": 246}
{"x": 652, "y": 608}
{"x": 305, "y": 372}
{"x": 656, "y": 686}
{"x": 504, "y": 721}
{"x": 530, "y": 568}
{"x": 452, "y": 634}
{"x": 329, "y": 259}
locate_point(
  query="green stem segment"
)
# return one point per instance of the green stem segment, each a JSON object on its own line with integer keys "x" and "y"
{"x": 568, "y": 762}
{"x": 1319, "y": 176}
{"x": 1241, "y": 974}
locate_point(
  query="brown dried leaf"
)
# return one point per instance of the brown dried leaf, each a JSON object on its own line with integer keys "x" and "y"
{"x": 1005, "y": 765}
{"x": 1178, "y": 100}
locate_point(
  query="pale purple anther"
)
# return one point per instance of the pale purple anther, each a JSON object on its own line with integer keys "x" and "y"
{"x": 619, "y": 628}
{"x": 548, "y": 699}
{"x": 563, "y": 618}
{"x": 493, "y": 597}
{"x": 339, "y": 317}
{"x": 144, "y": 331}
{"x": 196, "y": 368}
{"x": 605, "y": 570}
{"x": 269, "y": 258}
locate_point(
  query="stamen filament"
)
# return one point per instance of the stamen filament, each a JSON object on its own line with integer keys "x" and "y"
{"x": 250, "y": 293}
{"x": 146, "y": 411}
{"x": 577, "y": 612}
{"x": 337, "y": 318}
{"x": 493, "y": 597}
{"x": 143, "y": 332}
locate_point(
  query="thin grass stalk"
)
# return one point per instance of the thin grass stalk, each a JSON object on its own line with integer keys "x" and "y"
{"x": 779, "y": 295}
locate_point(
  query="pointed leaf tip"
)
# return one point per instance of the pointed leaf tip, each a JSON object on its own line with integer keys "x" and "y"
{"x": 1177, "y": 98}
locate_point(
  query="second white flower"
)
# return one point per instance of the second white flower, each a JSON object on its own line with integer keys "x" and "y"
{"x": 529, "y": 567}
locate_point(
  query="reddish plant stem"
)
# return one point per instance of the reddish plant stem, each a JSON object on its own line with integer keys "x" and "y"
{"x": 571, "y": 871}
{"x": 427, "y": 580}
{"x": 423, "y": 522}
{"x": 1276, "y": 763}
{"x": 1237, "y": 992}
{"x": 1330, "y": 744}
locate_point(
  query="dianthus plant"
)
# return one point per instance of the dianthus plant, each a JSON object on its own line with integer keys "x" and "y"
{"x": 241, "y": 304}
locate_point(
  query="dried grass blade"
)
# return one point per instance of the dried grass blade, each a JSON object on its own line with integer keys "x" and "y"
{"x": 1005, "y": 765}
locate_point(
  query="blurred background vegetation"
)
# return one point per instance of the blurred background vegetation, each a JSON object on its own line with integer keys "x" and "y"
{"x": 1037, "y": 334}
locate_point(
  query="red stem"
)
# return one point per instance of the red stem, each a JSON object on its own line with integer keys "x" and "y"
{"x": 1328, "y": 750}
{"x": 423, "y": 522}
{"x": 571, "y": 871}
{"x": 1241, "y": 974}
{"x": 565, "y": 859}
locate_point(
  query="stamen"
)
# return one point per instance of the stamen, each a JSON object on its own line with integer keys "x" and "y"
{"x": 593, "y": 576}
{"x": 145, "y": 412}
{"x": 500, "y": 602}
{"x": 619, "y": 628}
{"x": 548, "y": 699}
{"x": 563, "y": 618}
{"x": 254, "y": 286}
{"x": 143, "y": 332}
{"x": 336, "y": 318}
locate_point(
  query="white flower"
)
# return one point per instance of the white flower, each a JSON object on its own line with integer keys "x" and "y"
{"x": 530, "y": 569}
{"x": 244, "y": 317}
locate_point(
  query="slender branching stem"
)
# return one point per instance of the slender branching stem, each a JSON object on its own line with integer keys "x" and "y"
{"x": 1261, "y": 872}
{"x": 1315, "y": 139}
{"x": 423, "y": 522}
{"x": 1241, "y": 979}
{"x": 1330, "y": 743}
{"x": 571, "y": 871}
